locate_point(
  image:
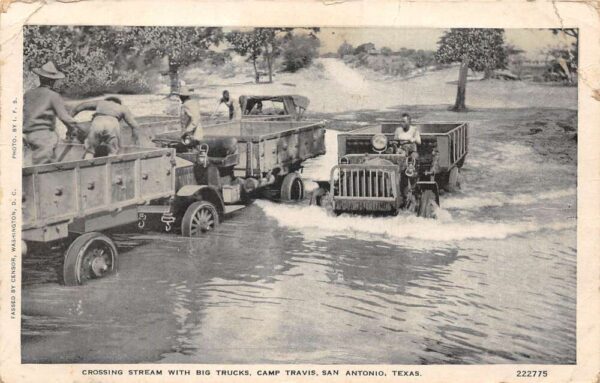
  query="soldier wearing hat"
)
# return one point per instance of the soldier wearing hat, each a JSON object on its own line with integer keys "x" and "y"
{"x": 104, "y": 137}
{"x": 41, "y": 106}
{"x": 190, "y": 114}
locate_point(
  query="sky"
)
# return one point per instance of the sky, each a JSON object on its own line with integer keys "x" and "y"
{"x": 532, "y": 41}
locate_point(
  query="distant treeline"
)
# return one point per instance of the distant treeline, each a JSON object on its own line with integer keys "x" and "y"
{"x": 385, "y": 60}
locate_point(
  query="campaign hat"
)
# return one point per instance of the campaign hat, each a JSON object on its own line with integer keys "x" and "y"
{"x": 49, "y": 70}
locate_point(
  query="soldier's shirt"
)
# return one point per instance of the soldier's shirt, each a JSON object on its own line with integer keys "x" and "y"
{"x": 229, "y": 105}
{"x": 411, "y": 135}
{"x": 190, "y": 119}
{"x": 41, "y": 106}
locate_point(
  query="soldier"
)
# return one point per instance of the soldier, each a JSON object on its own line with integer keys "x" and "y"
{"x": 41, "y": 106}
{"x": 190, "y": 115}
{"x": 409, "y": 136}
{"x": 104, "y": 137}
{"x": 228, "y": 102}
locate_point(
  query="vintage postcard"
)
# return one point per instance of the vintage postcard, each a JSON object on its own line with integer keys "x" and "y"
{"x": 299, "y": 191}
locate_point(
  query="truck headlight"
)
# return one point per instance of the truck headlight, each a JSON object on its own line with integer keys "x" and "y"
{"x": 379, "y": 142}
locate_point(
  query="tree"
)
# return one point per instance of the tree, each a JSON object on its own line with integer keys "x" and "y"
{"x": 573, "y": 53}
{"x": 477, "y": 49}
{"x": 299, "y": 51}
{"x": 345, "y": 49}
{"x": 364, "y": 48}
{"x": 386, "y": 51}
{"x": 181, "y": 45}
{"x": 265, "y": 41}
{"x": 247, "y": 44}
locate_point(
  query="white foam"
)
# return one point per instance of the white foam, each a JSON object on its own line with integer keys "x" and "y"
{"x": 403, "y": 226}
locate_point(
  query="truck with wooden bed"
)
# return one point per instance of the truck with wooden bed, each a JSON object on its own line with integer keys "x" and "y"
{"x": 374, "y": 175}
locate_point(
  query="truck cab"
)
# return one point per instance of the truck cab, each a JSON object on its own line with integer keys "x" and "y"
{"x": 274, "y": 108}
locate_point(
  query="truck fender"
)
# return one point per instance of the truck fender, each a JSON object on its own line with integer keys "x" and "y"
{"x": 430, "y": 185}
{"x": 205, "y": 193}
{"x": 325, "y": 185}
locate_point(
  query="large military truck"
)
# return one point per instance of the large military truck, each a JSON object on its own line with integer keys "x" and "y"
{"x": 235, "y": 162}
{"x": 375, "y": 174}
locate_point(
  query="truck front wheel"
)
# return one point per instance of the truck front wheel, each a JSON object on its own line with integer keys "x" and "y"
{"x": 453, "y": 183}
{"x": 200, "y": 217}
{"x": 292, "y": 188}
{"x": 427, "y": 205}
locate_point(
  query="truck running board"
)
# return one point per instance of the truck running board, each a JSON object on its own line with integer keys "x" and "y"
{"x": 232, "y": 208}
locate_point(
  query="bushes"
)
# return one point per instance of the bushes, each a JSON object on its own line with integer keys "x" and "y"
{"x": 299, "y": 52}
{"x": 129, "y": 82}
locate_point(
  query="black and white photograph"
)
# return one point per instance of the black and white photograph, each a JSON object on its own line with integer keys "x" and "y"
{"x": 301, "y": 197}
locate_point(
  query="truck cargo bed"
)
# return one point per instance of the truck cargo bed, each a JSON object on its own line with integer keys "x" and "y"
{"x": 103, "y": 187}
{"x": 266, "y": 145}
{"x": 451, "y": 139}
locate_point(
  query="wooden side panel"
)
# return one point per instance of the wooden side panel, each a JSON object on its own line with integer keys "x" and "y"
{"x": 122, "y": 180}
{"x": 57, "y": 194}
{"x": 270, "y": 152}
{"x": 444, "y": 151}
{"x": 156, "y": 176}
{"x": 92, "y": 184}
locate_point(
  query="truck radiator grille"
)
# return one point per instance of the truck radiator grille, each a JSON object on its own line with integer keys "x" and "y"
{"x": 365, "y": 183}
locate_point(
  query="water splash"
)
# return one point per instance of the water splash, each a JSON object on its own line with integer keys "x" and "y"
{"x": 402, "y": 226}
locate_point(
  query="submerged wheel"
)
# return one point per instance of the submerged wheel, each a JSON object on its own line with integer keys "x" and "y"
{"x": 90, "y": 256}
{"x": 200, "y": 217}
{"x": 292, "y": 188}
{"x": 453, "y": 183}
{"x": 427, "y": 205}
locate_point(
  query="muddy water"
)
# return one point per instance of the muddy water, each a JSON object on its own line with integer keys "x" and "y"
{"x": 491, "y": 281}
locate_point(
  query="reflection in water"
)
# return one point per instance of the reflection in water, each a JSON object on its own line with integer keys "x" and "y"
{"x": 289, "y": 284}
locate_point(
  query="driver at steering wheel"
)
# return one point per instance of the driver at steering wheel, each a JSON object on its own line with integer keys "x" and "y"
{"x": 408, "y": 136}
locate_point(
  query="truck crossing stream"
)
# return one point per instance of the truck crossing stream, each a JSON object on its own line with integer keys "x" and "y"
{"x": 492, "y": 280}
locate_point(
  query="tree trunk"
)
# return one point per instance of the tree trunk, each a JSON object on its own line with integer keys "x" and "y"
{"x": 269, "y": 63}
{"x": 487, "y": 73}
{"x": 174, "y": 77}
{"x": 256, "y": 74}
{"x": 459, "y": 105}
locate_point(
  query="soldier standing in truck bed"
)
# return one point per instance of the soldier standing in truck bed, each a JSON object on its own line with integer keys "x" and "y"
{"x": 41, "y": 106}
{"x": 190, "y": 114}
{"x": 104, "y": 137}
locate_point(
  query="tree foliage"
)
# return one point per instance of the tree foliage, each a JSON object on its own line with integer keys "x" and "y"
{"x": 483, "y": 48}
{"x": 84, "y": 53}
{"x": 345, "y": 49}
{"x": 299, "y": 52}
{"x": 182, "y": 45}
{"x": 99, "y": 59}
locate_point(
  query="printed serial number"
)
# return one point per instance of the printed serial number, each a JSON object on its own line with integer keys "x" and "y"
{"x": 532, "y": 374}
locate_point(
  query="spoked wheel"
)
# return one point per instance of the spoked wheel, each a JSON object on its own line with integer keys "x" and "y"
{"x": 453, "y": 183}
{"x": 200, "y": 217}
{"x": 90, "y": 256}
{"x": 427, "y": 205}
{"x": 292, "y": 188}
